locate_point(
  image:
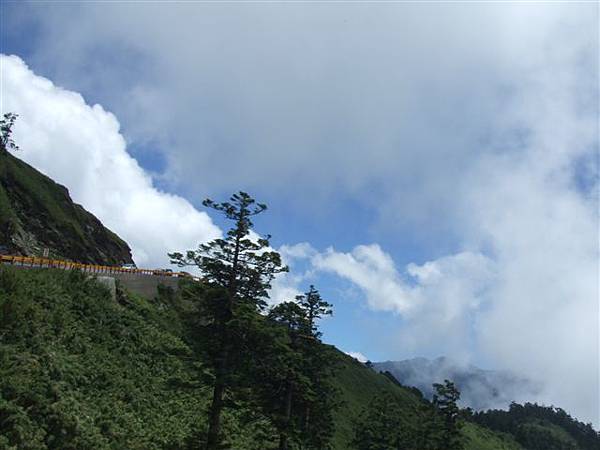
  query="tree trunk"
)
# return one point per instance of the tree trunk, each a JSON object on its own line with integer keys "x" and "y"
{"x": 306, "y": 418}
{"x": 283, "y": 436}
{"x": 214, "y": 424}
{"x": 283, "y": 441}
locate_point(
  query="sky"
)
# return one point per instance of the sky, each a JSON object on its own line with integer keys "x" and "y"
{"x": 432, "y": 168}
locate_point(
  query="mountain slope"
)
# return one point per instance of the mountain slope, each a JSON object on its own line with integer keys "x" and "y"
{"x": 37, "y": 213}
{"x": 359, "y": 385}
{"x": 80, "y": 371}
{"x": 539, "y": 427}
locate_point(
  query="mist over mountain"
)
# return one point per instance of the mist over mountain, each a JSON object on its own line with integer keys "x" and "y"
{"x": 480, "y": 389}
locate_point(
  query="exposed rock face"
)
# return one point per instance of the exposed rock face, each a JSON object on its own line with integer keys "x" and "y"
{"x": 36, "y": 213}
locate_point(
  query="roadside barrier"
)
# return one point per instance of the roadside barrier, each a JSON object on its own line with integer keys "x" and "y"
{"x": 35, "y": 262}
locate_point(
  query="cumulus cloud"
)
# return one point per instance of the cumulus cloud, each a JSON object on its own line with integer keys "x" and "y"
{"x": 284, "y": 288}
{"x": 374, "y": 271}
{"x": 462, "y": 278}
{"x": 437, "y": 299}
{"x": 80, "y": 146}
{"x": 292, "y": 253}
{"x": 287, "y": 286}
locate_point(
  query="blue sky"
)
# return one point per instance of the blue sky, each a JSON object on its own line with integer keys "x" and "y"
{"x": 431, "y": 168}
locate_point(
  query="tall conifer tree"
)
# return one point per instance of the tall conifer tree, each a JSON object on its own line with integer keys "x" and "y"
{"x": 298, "y": 385}
{"x": 240, "y": 271}
{"x": 445, "y": 400}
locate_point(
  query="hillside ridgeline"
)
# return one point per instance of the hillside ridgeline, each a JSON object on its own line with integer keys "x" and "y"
{"x": 36, "y": 213}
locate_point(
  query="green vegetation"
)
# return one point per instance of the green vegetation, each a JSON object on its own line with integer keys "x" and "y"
{"x": 445, "y": 401}
{"x": 541, "y": 427}
{"x": 479, "y": 438}
{"x": 6, "y": 125}
{"x": 358, "y": 386}
{"x": 37, "y": 213}
{"x": 298, "y": 391}
{"x": 81, "y": 371}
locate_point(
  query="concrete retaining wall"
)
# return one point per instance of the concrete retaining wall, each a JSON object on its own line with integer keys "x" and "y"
{"x": 141, "y": 284}
{"x": 145, "y": 285}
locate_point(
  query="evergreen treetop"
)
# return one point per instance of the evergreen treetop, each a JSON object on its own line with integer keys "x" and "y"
{"x": 6, "y": 128}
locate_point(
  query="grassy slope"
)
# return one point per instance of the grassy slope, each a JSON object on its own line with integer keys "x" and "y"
{"x": 7, "y": 213}
{"x": 80, "y": 371}
{"x": 540, "y": 431}
{"x": 478, "y": 438}
{"x": 358, "y": 386}
{"x": 32, "y": 202}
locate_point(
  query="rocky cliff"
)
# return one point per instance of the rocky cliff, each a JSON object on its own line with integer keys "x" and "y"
{"x": 36, "y": 213}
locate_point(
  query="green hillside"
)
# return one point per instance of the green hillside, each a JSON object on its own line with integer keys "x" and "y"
{"x": 37, "y": 213}
{"x": 539, "y": 427}
{"x": 81, "y": 371}
{"x": 359, "y": 386}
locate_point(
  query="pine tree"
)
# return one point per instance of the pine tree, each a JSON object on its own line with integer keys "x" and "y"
{"x": 384, "y": 424}
{"x": 238, "y": 271}
{"x": 315, "y": 308}
{"x": 320, "y": 399}
{"x": 445, "y": 400}
{"x": 290, "y": 375}
{"x": 6, "y": 126}
{"x": 297, "y": 393}
{"x": 380, "y": 426}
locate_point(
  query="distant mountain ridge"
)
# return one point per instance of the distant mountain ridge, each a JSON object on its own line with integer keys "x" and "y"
{"x": 480, "y": 389}
{"x": 36, "y": 214}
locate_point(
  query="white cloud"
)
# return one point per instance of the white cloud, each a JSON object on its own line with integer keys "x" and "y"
{"x": 302, "y": 250}
{"x": 438, "y": 299}
{"x": 284, "y": 289}
{"x": 372, "y": 270}
{"x": 461, "y": 277}
{"x": 543, "y": 315}
{"x": 371, "y": 93}
{"x": 80, "y": 146}
{"x": 287, "y": 286}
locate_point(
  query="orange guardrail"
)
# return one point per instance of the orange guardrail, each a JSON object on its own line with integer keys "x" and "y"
{"x": 33, "y": 261}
